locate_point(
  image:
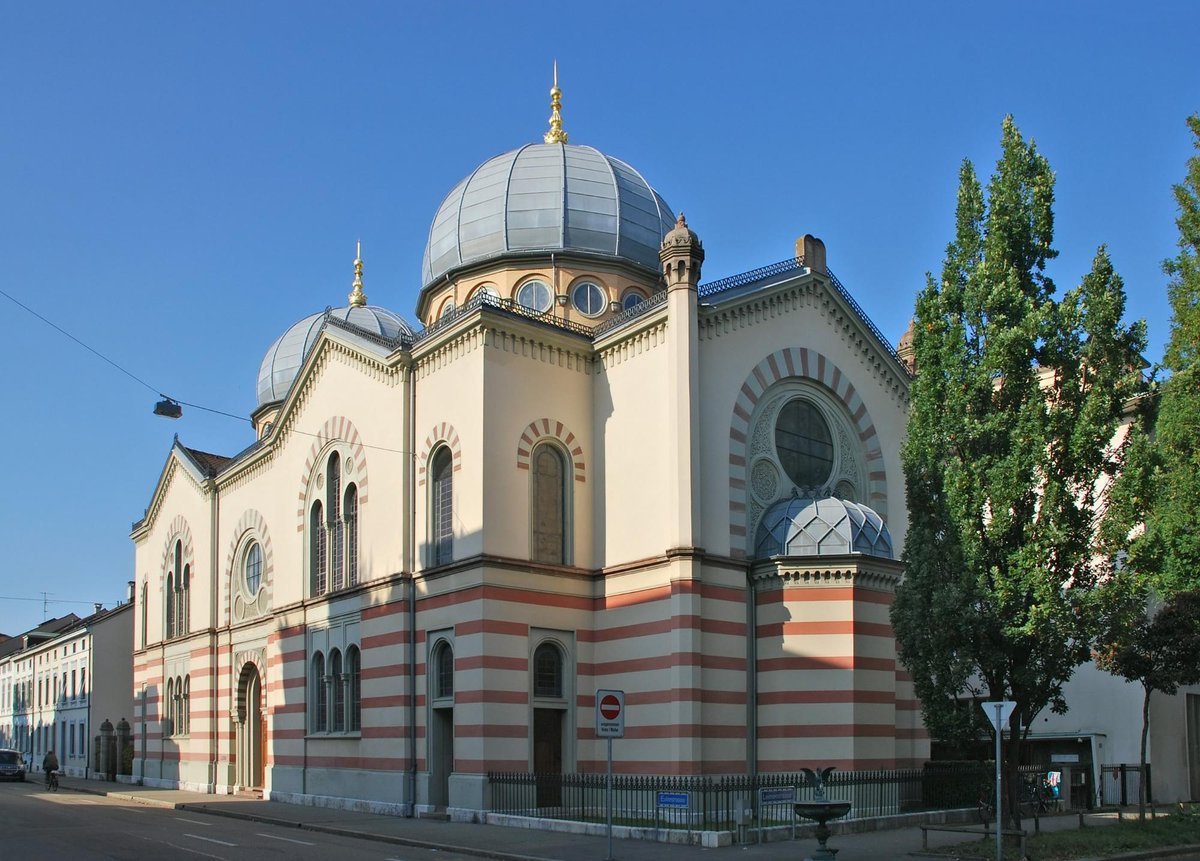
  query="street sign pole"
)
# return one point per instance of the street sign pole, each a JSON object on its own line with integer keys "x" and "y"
{"x": 999, "y": 797}
{"x": 998, "y": 713}
{"x": 609, "y": 804}
{"x": 610, "y": 724}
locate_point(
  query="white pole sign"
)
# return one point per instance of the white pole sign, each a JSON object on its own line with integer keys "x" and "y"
{"x": 610, "y": 714}
{"x": 998, "y": 713}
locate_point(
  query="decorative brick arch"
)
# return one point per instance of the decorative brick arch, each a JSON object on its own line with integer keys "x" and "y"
{"x": 803, "y": 363}
{"x": 250, "y": 521}
{"x": 541, "y": 429}
{"x": 245, "y": 661}
{"x": 335, "y": 429}
{"x": 178, "y": 531}
{"x": 444, "y": 432}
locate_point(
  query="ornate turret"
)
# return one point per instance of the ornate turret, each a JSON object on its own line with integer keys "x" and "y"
{"x": 682, "y": 254}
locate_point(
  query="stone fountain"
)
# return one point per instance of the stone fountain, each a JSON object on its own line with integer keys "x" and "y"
{"x": 822, "y": 810}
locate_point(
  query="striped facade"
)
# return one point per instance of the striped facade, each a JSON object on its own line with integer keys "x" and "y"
{"x": 553, "y": 510}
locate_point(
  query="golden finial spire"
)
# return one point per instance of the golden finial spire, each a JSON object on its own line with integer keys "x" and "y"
{"x": 357, "y": 297}
{"x": 556, "y": 133}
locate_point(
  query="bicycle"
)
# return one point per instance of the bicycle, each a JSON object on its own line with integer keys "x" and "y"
{"x": 52, "y": 780}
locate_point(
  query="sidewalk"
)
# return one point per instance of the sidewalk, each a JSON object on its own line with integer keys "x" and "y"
{"x": 519, "y": 844}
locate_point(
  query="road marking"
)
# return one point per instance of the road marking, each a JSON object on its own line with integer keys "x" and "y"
{"x": 288, "y": 839}
{"x": 209, "y": 839}
{"x": 193, "y": 821}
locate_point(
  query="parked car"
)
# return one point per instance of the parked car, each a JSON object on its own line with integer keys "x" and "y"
{"x": 12, "y": 764}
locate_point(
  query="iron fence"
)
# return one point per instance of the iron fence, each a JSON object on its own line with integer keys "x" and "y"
{"x": 723, "y": 803}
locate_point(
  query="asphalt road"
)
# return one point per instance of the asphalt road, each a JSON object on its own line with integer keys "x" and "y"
{"x": 36, "y": 825}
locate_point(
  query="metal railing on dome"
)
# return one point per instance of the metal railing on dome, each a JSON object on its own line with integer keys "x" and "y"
{"x": 704, "y": 291}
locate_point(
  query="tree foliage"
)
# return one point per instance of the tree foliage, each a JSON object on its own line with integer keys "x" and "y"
{"x": 1163, "y": 490}
{"x": 1015, "y": 402}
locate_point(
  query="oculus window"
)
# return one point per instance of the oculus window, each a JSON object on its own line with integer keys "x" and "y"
{"x": 535, "y": 296}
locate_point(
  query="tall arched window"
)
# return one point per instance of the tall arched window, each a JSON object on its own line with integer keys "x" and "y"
{"x": 320, "y": 700}
{"x": 337, "y": 683}
{"x": 350, "y": 513}
{"x": 547, "y": 671}
{"x": 548, "y": 505}
{"x": 334, "y": 517}
{"x": 168, "y": 709}
{"x": 443, "y": 664}
{"x": 354, "y": 671}
{"x": 441, "y": 506}
{"x": 316, "y": 549}
{"x": 183, "y": 605}
{"x": 170, "y": 604}
{"x": 185, "y": 705}
{"x": 333, "y": 528}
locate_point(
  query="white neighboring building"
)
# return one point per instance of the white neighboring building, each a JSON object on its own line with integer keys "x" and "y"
{"x": 61, "y": 680}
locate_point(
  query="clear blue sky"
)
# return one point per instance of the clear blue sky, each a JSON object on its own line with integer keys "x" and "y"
{"x": 179, "y": 182}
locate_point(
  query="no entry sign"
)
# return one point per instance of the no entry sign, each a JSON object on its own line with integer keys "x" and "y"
{"x": 610, "y": 714}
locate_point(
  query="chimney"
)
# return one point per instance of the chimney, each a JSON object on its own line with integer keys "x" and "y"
{"x": 810, "y": 252}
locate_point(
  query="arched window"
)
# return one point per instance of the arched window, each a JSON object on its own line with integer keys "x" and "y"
{"x": 169, "y": 709}
{"x": 441, "y": 506}
{"x": 184, "y": 604}
{"x": 548, "y": 671}
{"x": 548, "y": 505}
{"x": 316, "y": 549}
{"x": 320, "y": 701}
{"x": 443, "y": 664}
{"x": 185, "y": 706}
{"x": 252, "y": 569}
{"x": 333, "y": 529}
{"x": 334, "y": 499}
{"x": 339, "y": 691}
{"x": 170, "y": 605}
{"x": 350, "y": 512}
{"x": 354, "y": 671}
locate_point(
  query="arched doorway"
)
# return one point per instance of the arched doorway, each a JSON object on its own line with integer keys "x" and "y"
{"x": 251, "y": 729}
{"x": 441, "y": 724}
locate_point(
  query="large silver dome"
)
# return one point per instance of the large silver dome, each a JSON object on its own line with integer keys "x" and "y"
{"x": 826, "y": 526}
{"x": 548, "y": 197}
{"x": 283, "y": 360}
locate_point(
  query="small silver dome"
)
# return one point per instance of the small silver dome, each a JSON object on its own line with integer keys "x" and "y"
{"x": 827, "y": 526}
{"x": 550, "y": 197}
{"x": 284, "y": 358}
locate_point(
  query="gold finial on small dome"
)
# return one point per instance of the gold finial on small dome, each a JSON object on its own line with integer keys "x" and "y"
{"x": 556, "y": 133}
{"x": 357, "y": 297}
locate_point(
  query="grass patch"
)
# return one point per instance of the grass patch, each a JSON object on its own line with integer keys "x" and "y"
{"x": 1097, "y": 841}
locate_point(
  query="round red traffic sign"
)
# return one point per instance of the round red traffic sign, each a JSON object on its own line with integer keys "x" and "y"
{"x": 610, "y": 707}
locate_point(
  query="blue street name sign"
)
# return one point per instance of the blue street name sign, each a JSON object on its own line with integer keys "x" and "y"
{"x": 674, "y": 799}
{"x": 777, "y": 795}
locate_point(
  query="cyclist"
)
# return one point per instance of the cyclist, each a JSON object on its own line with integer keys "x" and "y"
{"x": 50, "y": 766}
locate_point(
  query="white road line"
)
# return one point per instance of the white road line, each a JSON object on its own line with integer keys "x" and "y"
{"x": 288, "y": 839}
{"x": 209, "y": 839}
{"x": 194, "y": 821}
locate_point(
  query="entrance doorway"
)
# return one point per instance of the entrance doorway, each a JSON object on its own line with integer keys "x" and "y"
{"x": 548, "y": 756}
{"x": 251, "y": 730}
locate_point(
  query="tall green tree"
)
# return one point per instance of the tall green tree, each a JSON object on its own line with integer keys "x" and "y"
{"x": 1017, "y": 395}
{"x": 1165, "y": 489}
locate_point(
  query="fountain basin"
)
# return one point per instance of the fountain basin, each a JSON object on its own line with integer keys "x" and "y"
{"x": 822, "y": 811}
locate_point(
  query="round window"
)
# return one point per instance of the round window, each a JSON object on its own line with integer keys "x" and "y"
{"x": 535, "y": 295}
{"x": 804, "y": 443}
{"x": 487, "y": 295}
{"x": 631, "y": 299}
{"x": 448, "y": 309}
{"x": 253, "y": 568}
{"x": 588, "y": 299}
